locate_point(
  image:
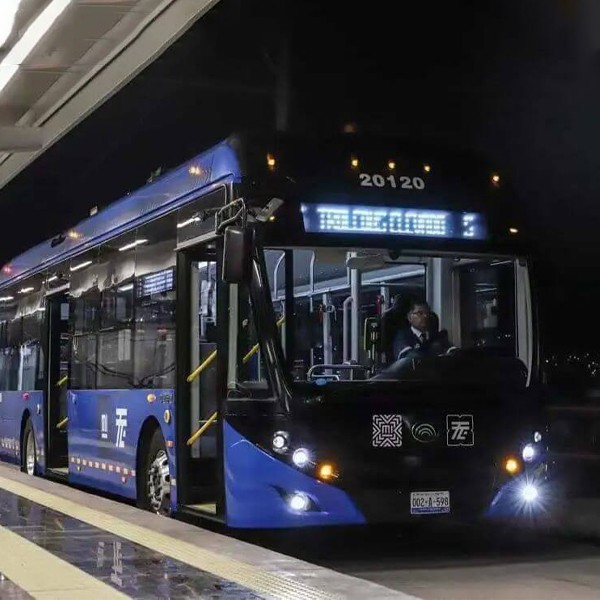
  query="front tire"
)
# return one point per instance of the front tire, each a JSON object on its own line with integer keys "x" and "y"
{"x": 28, "y": 452}
{"x": 155, "y": 488}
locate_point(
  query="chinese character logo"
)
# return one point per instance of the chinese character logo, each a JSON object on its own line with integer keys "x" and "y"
{"x": 121, "y": 423}
{"x": 460, "y": 430}
{"x": 387, "y": 431}
{"x": 104, "y": 427}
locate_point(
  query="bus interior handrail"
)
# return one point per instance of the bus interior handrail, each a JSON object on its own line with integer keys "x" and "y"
{"x": 201, "y": 430}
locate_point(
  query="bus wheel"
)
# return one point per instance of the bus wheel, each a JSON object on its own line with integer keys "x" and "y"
{"x": 28, "y": 457}
{"x": 157, "y": 477}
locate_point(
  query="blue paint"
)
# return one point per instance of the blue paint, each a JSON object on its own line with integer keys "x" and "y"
{"x": 114, "y": 439}
{"x": 255, "y": 482}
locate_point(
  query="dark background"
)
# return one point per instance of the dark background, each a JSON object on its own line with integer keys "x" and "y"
{"x": 517, "y": 82}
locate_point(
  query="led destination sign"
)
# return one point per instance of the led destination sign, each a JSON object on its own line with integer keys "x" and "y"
{"x": 382, "y": 220}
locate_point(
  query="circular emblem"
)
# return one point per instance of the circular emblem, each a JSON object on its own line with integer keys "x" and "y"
{"x": 424, "y": 432}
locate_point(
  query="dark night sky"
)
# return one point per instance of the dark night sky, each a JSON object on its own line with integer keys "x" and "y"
{"x": 518, "y": 82}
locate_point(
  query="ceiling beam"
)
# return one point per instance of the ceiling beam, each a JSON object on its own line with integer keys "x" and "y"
{"x": 154, "y": 34}
{"x": 21, "y": 139}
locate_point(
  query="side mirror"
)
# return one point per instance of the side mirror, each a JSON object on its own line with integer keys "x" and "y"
{"x": 237, "y": 254}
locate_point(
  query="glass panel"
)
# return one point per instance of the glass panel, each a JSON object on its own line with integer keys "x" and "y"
{"x": 487, "y": 306}
{"x": 203, "y": 389}
{"x": 361, "y": 311}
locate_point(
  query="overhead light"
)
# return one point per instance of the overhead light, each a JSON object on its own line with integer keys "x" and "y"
{"x": 188, "y": 222}
{"x": 354, "y": 162}
{"x": 26, "y": 290}
{"x": 513, "y": 230}
{"x": 271, "y": 162}
{"x": 391, "y": 165}
{"x": 496, "y": 178}
{"x": 80, "y": 266}
{"x": 30, "y": 39}
{"x": 427, "y": 168}
{"x": 7, "y": 298}
{"x": 125, "y": 288}
{"x": 132, "y": 245}
{"x": 8, "y": 12}
{"x": 51, "y": 279}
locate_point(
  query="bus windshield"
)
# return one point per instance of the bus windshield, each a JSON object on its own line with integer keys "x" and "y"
{"x": 359, "y": 313}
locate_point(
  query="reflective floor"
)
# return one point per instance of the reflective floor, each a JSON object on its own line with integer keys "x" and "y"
{"x": 134, "y": 570}
{"x": 9, "y": 591}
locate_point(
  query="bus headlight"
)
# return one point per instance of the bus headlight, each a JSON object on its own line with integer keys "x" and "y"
{"x": 280, "y": 441}
{"x": 301, "y": 457}
{"x": 528, "y": 452}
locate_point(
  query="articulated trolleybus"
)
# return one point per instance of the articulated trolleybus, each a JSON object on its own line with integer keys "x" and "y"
{"x": 223, "y": 342}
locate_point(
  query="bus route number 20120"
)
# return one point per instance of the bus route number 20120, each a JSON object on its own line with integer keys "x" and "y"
{"x": 401, "y": 181}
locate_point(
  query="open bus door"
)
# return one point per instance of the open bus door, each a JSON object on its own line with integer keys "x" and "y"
{"x": 57, "y": 370}
{"x": 200, "y": 389}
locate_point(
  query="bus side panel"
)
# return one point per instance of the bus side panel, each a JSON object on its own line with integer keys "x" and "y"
{"x": 12, "y": 409}
{"x": 12, "y": 406}
{"x": 104, "y": 432}
{"x": 256, "y": 486}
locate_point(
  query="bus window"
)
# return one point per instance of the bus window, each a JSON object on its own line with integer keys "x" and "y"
{"x": 487, "y": 306}
{"x": 350, "y": 305}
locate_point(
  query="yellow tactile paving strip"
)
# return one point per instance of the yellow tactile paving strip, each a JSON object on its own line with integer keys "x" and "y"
{"x": 44, "y": 576}
{"x": 261, "y": 582}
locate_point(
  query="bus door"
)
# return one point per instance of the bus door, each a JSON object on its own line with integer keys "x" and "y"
{"x": 57, "y": 382}
{"x": 199, "y": 414}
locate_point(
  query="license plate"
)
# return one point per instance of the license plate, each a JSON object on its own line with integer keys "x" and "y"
{"x": 426, "y": 503}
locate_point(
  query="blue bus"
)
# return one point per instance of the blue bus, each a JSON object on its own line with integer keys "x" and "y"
{"x": 221, "y": 341}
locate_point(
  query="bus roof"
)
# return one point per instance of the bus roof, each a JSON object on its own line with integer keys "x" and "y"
{"x": 174, "y": 188}
{"x": 231, "y": 160}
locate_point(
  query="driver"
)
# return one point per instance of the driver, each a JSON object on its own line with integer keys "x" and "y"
{"x": 421, "y": 334}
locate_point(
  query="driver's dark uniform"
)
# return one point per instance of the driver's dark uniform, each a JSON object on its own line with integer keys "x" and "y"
{"x": 430, "y": 343}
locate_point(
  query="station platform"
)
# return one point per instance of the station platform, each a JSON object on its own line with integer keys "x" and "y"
{"x": 63, "y": 543}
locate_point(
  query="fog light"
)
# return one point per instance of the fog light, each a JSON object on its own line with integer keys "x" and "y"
{"x": 280, "y": 441}
{"x": 529, "y": 493}
{"x": 528, "y": 452}
{"x": 301, "y": 457}
{"x": 512, "y": 465}
{"x": 299, "y": 501}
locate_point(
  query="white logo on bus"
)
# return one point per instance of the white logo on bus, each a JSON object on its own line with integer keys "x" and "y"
{"x": 461, "y": 430}
{"x": 121, "y": 423}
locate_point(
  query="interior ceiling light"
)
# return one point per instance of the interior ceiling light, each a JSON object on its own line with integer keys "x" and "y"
{"x": 8, "y": 13}
{"x": 30, "y": 39}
